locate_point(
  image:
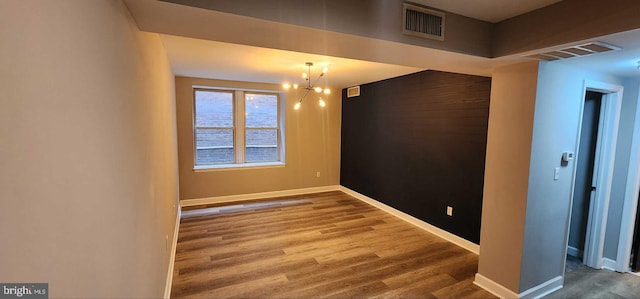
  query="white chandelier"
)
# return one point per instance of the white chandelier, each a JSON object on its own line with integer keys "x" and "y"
{"x": 307, "y": 77}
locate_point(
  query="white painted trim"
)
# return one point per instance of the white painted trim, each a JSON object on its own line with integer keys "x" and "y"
{"x": 243, "y": 166}
{"x": 251, "y": 196}
{"x": 575, "y": 252}
{"x": 538, "y": 291}
{"x": 609, "y": 264}
{"x": 493, "y": 287}
{"x": 544, "y": 288}
{"x": 475, "y": 248}
{"x": 172, "y": 256}
{"x": 603, "y": 169}
{"x": 630, "y": 205}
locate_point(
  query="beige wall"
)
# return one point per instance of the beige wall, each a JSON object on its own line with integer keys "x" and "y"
{"x": 312, "y": 145}
{"x": 513, "y": 95}
{"x": 88, "y": 175}
{"x": 565, "y": 22}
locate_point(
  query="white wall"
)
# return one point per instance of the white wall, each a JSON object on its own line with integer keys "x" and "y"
{"x": 559, "y": 99}
{"x": 88, "y": 175}
{"x": 621, "y": 167}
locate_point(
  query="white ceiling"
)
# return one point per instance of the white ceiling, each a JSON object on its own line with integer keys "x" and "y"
{"x": 210, "y": 59}
{"x": 620, "y": 63}
{"x": 487, "y": 10}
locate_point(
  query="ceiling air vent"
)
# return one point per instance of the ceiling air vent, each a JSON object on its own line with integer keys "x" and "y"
{"x": 422, "y": 22}
{"x": 575, "y": 51}
{"x": 353, "y": 91}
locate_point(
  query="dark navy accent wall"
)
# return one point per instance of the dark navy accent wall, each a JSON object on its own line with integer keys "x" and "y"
{"x": 417, "y": 143}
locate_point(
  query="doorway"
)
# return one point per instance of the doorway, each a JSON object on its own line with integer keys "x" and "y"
{"x": 584, "y": 184}
{"x": 596, "y": 172}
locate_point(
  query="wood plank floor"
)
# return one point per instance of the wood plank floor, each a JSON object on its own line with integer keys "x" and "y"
{"x": 320, "y": 245}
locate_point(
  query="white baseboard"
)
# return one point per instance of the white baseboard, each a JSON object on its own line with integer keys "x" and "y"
{"x": 500, "y": 291}
{"x": 572, "y": 251}
{"x": 475, "y": 248}
{"x": 544, "y": 289}
{"x": 493, "y": 287}
{"x": 609, "y": 264}
{"x": 172, "y": 256}
{"x": 251, "y": 196}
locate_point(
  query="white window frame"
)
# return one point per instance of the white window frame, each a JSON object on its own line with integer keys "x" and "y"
{"x": 278, "y": 127}
{"x": 239, "y": 130}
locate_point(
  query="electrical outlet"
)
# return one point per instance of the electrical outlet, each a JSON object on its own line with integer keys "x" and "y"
{"x": 318, "y": 174}
{"x": 449, "y": 211}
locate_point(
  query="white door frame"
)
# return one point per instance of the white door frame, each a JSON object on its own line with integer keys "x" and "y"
{"x": 603, "y": 168}
{"x": 631, "y": 192}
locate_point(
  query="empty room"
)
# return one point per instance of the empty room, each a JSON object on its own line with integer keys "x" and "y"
{"x": 303, "y": 149}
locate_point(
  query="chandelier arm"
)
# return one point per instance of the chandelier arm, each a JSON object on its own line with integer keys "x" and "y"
{"x": 314, "y": 83}
{"x": 304, "y": 96}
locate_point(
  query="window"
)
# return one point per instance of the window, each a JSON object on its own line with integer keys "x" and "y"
{"x": 214, "y": 127}
{"x": 261, "y": 127}
{"x": 237, "y": 128}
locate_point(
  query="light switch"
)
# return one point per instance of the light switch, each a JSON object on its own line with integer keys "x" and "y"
{"x": 556, "y": 174}
{"x": 449, "y": 211}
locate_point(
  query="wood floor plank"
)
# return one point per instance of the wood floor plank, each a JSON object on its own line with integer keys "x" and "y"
{"x": 462, "y": 289}
{"x": 306, "y": 275}
{"x": 420, "y": 288}
{"x": 372, "y": 239}
{"x": 265, "y": 283}
{"x": 317, "y": 275}
{"x": 215, "y": 264}
{"x": 327, "y": 245}
{"x": 241, "y": 268}
{"x": 363, "y": 291}
{"x": 441, "y": 266}
{"x": 206, "y": 281}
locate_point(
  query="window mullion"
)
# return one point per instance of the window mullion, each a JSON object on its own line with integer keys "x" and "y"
{"x": 240, "y": 139}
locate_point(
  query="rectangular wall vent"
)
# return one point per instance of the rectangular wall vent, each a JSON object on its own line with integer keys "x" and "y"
{"x": 422, "y": 22}
{"x": 353, "y": 91}
{"x": 575, "y": 51}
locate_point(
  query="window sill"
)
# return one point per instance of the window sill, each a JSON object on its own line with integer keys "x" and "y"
{"x": 206, "y": 168}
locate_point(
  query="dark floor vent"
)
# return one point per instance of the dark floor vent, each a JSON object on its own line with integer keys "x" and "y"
{"x": 353, "y": 91}
{"x": 422, "y": 22}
